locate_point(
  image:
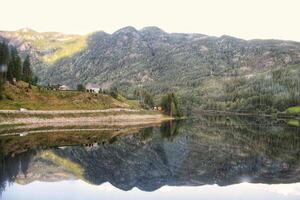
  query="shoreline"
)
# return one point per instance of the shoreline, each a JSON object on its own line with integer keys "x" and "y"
{"x": 53, "y": 112}
{"x": 130, "y": 119}
{"x": 114, "y": 116}
{"x": 34, "y": 123}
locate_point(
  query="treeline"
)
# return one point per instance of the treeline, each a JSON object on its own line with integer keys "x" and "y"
{"x": 145, "y": 98}
{"x": 274, "y": 91}
{"x": 269, "y": 92}
{"x": 169, "y": 102}
{"x": 12, "y": 68}
{"x": 170, "y": 105}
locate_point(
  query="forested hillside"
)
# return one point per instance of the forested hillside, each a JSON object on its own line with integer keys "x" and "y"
{"x": 206, "y": 72}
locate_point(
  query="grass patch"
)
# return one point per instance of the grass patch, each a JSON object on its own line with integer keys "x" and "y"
{"x": 66, "y": 48}
{"x": 293, "y": 122}
{"x": 55, "y": 45}
{"x": 20, "y": 96}
{"x": 293, "y": 110}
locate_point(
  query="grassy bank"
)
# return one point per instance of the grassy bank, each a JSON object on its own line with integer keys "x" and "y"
{"x": 20, "y": 95}
{"x": 68, "y": 108}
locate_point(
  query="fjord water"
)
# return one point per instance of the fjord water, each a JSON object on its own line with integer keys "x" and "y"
{"x": 212, "y": 157}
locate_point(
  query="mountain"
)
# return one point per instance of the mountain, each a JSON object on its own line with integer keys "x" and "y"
{"x": 198, "y": 67}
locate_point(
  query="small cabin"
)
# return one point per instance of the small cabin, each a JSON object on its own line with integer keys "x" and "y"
{"x": 92, "y": 88}
{"x": 63, "y": 87}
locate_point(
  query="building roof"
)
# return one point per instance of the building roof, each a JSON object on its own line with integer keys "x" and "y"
{"x": 92, "y": 86}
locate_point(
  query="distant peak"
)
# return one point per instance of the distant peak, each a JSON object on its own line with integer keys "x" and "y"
{"x": 153, "y": 29}
{"x": 126, "y": 29}
{"x": 227, "y": 37}
{"x": 26, "y": 30}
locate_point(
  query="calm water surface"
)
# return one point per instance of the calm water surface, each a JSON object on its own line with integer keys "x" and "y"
{"x": 204, "y": 158}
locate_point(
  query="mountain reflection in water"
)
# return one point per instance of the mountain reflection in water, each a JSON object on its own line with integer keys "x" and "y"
{"x": 203, "y": 151}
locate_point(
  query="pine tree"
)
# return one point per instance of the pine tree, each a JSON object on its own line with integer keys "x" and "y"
{"x": 114, "y": 92}
{"x": 9, "y": 74}
{"x": 14, "y": 66}
{"x": 80, "y": 87}
{"x": 170, "y": 105}
{"x": 4, "y": 55}
{"x": 27, "y": 73}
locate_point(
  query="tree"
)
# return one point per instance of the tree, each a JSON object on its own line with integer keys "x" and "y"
{"x": 80, "y": 87}
{"x": 114, "y": 92}
{"x": 34, "y": 80}
{"x": 11, "y": 66}
{"x": 1, "y": 87}
{"x": 14, "y": 66}
{"x": 169, "y": 104}
{"x": 145, "y": 98}
{"x": 9, "y": 74}
{"x": 4, "y": 56}
{"x": 4, "y": 53}
{"x": 27, "y": 73}
{"x": 148, "y": 99}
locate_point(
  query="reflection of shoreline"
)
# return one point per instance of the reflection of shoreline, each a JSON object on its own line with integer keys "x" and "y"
{"x": 61, "y": 130}
{"x": 48, "y": 136}
{"x": 243, "y": 120}
{"x": 175, "y": 153}
{"x": 26, "y": 126}
{"x": 282, "y": 115}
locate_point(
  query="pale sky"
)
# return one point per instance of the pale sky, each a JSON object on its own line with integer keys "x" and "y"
{"x": 78, "y": 189}
{"x": 248, "y": 19}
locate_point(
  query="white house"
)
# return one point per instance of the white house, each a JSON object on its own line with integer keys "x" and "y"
{"x": 63, "y": 87}
{"x": 93, "y": 87}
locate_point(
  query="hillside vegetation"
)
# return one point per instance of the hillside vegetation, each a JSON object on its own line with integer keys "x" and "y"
{"x": 206, "y": 72}
{"x": 268, "y": 92}
{"x": 21, "y": 96}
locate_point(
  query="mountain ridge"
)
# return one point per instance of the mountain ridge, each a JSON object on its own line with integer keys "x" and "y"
{"x": 27, "y": 29}
{"x": 192, "y": 65}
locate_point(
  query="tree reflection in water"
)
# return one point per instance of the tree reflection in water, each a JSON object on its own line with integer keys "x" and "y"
{"x": 219, "y": 150}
